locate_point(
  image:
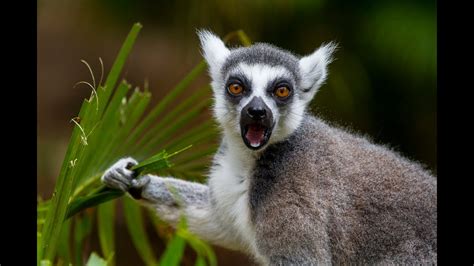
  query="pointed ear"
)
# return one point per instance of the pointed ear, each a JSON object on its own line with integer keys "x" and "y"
{"x": 214, "y": 51}
{"x": 314, "y": 69}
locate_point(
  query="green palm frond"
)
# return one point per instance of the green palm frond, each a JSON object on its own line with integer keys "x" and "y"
{"x": 170, "y": 139}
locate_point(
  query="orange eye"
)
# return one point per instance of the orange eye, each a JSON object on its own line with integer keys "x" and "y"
{"x": 282, "y": 92}
{"x": 235, "y": 89}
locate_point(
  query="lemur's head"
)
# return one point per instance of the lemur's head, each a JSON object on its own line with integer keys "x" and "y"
{"x": 261, "y": 92}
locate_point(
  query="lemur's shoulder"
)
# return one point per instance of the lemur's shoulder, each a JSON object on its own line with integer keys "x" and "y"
{"x": 322, "y": 173}
{"x": 316, "y": 137}
{"x": 318, "y": 152}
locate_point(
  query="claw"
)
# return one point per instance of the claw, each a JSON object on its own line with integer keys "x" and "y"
{"x": 130, "y": 165}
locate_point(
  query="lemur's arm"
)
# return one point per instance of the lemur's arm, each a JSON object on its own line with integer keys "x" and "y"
{"x": 171, "y": 198}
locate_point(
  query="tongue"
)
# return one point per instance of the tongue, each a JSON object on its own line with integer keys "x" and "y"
{"x": 255, "y": 135}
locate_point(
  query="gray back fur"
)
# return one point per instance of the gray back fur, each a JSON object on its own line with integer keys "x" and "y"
{"x": 327, "y": 196}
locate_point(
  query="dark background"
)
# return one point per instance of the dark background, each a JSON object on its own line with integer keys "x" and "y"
{"x": 382, "y": 83}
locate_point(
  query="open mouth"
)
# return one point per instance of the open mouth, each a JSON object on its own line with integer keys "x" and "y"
{"x": 255, "y": 135}
{"x": 256, "y": 123}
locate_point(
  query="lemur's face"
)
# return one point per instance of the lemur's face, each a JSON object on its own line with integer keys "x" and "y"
{"x": 261, "y": 92}
{"x": 259, "y": 100}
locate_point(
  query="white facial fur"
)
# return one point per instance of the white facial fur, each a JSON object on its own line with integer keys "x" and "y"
{"x": 312, "y": 74}
{"x": 260, "y": 75}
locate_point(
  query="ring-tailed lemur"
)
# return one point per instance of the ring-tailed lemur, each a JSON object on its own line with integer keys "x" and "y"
{"x": 286, "y": 187}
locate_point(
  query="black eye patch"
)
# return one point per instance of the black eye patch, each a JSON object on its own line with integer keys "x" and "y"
{"x": 242, "y": 81}
{"x": 280, "y": 82}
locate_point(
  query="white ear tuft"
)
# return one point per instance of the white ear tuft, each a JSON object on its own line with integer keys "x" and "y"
{"x": 314, "y": 69}
{"x": 214, "y": 51}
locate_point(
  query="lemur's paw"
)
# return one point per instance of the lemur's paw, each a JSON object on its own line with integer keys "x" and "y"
{"x": 119, "y": 175}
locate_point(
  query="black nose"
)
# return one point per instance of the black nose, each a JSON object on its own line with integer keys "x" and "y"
{"x": 256, "y": 112}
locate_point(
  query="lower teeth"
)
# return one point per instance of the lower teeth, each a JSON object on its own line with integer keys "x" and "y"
{"x": 254, "y": 144}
